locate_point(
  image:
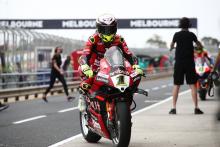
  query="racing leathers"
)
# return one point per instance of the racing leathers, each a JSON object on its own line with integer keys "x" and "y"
{"x": 94, "y": 51}
{"x": 205, "y": 56}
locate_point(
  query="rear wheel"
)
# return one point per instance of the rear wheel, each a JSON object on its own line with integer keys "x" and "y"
{"x": 86, "y": 132}
{"x": 122, "y": 125}
{"x": 202, "y": 94}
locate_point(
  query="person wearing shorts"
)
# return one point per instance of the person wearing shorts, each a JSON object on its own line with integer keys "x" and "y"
{"x": 184, "y": 67}
{"x": 184, "y": 71}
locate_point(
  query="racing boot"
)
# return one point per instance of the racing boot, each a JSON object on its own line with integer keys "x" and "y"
{"x": 82, "y": 103}
{"x": 83, "y": 90}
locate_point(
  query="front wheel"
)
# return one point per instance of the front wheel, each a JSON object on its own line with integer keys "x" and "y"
{"x": 86, "y": 132}
{"x": 122, "y": 125}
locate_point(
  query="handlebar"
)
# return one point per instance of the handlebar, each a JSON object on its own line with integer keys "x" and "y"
{"x": 141, "y": 91}
{"x": 144, "y": 75}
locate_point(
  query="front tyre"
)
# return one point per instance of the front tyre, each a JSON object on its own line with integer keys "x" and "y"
{"x": 86, "y": 132}
{"x": 122, "y": 125}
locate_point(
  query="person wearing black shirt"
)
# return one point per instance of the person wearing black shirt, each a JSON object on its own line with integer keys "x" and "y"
{"x": 57, "y": 72}
{"x": 184, "y": 63}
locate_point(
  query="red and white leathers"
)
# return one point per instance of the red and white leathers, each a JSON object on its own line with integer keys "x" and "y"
{"x": 205, "y": 56}
{"x": 94, "y": 51}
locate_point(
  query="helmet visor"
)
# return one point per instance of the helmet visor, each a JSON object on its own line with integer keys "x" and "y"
{"x": 107, "y": 29}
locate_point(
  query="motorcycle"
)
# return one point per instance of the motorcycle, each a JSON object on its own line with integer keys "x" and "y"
{"x": 109, "y": 101}
{"x": 203, "y": 71}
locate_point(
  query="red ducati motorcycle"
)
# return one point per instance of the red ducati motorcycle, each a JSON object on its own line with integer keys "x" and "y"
{"x": 203, "y": 71}
{"x": 108, "y": 102}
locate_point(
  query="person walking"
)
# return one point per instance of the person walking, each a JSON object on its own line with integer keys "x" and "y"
{"x": 66, "y": 63}
{"x": 57, "y": 72}
{"x": 184, "y": 63}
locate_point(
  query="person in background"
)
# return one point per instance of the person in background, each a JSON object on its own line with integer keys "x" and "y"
{"x": 202, "y": 53}
{"x": 215, "y": 68}
{"x": 20, "y": 77}
{"x": 57, "y": 72}
{"x": 217, "y": 62}
{"x": 66, "y": 63}
{"x": 184, "y": 63}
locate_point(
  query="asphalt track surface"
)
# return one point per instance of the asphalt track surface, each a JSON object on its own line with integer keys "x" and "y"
{"x": 35, "y": 123}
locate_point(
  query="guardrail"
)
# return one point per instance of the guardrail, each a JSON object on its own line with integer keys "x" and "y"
{"x": 26, "y": 92}
{"x": 18, "y": 80}
{"x": 16, "y": 93}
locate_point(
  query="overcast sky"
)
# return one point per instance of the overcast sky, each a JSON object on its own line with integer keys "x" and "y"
{"x": 207, "y": 12}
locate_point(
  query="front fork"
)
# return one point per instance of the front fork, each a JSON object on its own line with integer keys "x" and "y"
{"x": 111, "y": 116}
{"x": 110, "y": 109}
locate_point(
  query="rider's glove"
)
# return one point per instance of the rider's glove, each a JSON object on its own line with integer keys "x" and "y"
{"x": 87, "y": 70}
{"x": 138, "y": 69}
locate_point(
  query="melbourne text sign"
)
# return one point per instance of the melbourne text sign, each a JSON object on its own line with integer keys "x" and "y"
{"x": 91, "y": 23}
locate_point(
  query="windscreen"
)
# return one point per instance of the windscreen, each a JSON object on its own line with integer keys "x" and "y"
{"x": 114, "y": 56}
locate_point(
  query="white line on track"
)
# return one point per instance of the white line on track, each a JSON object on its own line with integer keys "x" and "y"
{"x": 163, "y": 86}
{"x": 66, "y": 110}
{"x": 134, "y": 113}
{"x": 168, "y": 93}
{"x": 155, "y": 88}
{"x": 65, "y": 141}
{"x": 159, "y": 103}
{"x": 152, "y": 101}
{"x": 29, "y": 119}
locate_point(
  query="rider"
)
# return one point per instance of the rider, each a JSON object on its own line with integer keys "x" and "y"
{"x": 202, "y": 53}
{"x": 97, "y": 44}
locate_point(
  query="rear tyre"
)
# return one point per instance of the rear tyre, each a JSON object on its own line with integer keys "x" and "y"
{"x": 202, "y": 94}
{"x": 86, "y": 132}
{"x": 122, "y": 125}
